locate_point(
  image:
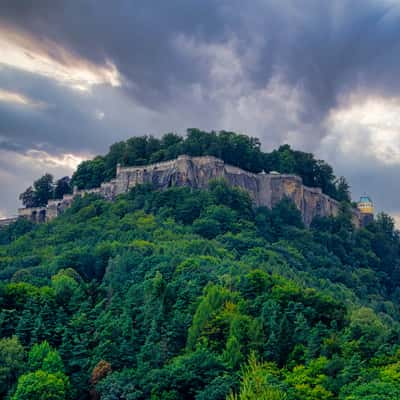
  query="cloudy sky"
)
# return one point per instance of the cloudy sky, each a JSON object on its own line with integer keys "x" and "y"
{"x": 323, "y": 76}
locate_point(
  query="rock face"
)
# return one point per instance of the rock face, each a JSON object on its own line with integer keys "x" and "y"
{"x": 196, "y": 172}
{"x": 264, "y": 189}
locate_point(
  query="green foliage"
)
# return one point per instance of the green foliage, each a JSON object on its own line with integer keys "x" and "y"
{"x": 260, "y": 381}
{"x": 43, "y": 357}
{"x": 12, "y": 357}
{"x": 195, "y": 294}
{"x": 66, "y": 285}
{"x": 41, "y": 385}
{"x": 28, "y": 198}
{"x": 90, "y": 174}
{"x": 40, "y": 194}
{"x": 186, "y": 376}
{"x": 62, "y": 187}
{"x": 380, "y": 384}
{"x": 216, "y": 299}
{"x": 47, "y": 380}
{"x": 13, "y": 231}
{"x": 44, "y": 189}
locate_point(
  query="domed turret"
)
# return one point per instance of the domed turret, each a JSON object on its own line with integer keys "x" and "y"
{"x": 366, "y": 208}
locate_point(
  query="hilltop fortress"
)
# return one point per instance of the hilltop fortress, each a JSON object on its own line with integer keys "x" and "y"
{"x": 196, "y": 172}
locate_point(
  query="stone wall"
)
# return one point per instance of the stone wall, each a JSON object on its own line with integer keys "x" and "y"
{"x": 7, "y": 221}
{"x": 196, "y": 172}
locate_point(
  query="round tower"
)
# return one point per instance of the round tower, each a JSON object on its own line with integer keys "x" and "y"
{"x": 366, "y": 208}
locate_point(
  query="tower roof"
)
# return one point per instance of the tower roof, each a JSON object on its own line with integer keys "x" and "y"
{"x": 365, "y": 199}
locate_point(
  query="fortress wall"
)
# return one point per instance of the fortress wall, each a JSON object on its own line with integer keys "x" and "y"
{"x": 246, "y": 181}
{"x": 196, "y": 172}
{"x": 7, "y": 221}
{"x": 316, "y": 204}
{"x": 34, "y": 214}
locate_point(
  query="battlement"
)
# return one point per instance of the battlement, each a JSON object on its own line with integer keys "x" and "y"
{"x": 196, "y": 172}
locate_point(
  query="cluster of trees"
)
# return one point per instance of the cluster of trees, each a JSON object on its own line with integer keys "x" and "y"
{"x": 36, "y": 375}
{"x": 235, "y": 149}
{"x": 191, "y": 295}
{"x": 45, "y": 189}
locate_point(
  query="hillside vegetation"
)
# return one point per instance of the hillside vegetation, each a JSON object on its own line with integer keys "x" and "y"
{"x": 188, "y": 294}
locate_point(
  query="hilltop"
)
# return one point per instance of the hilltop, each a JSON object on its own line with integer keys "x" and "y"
{"x": 197, "y": 294}
{"x": 265, "y": 190}
{"x": 193, "y": 161}
{"x": 234, "y": 149}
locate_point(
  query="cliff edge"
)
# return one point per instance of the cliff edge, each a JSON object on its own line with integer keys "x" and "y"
{"x": 196, "y": 172}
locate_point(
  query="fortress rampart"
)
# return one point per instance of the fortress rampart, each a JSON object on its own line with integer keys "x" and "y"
{"x": 7, "y": 221}
{"x": 196, "y": 172}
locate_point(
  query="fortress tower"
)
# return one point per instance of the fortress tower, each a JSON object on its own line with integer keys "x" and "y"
{"x": 366, "y": 208}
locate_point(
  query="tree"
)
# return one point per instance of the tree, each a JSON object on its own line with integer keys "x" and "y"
{"x": 41, "y": 385}
{"x": 114, "y": 156}
{"x": 47, "y": 380}
{"x": 28, "y": 197}
{"x": 119, "y": 385}
{"x": 66, "y": 285}
{"x": 15, "y": 230}
{"x": 40, "y": 194}
{"x": 377, "y": 389}
{"x": 43, "y": 190}
{"x": 185, "y": 376}
{"x": 342, "y": 189}
{"x": 232, "y": 197}
{"x": 63, "y": 186}
{"x": 43, "y": 357}
{"x": 286, "y": 213}
{"x": 259, "y": 382}
{"x": 89, "y": 174}
{"x": 100, "y": 371}
{"x": 309, "y": 381}
{"x": 12, "y": 357}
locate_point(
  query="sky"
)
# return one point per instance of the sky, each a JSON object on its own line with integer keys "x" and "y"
{"x": 77, "y": 76}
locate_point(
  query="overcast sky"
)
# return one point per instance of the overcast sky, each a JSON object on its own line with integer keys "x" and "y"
{"x": 323, "y": 76}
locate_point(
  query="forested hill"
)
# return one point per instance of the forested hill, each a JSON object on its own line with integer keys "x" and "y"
{"x": 188, "y": 294}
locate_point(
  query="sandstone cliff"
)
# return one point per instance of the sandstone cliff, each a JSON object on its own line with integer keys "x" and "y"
{"x": 264, "y": 189}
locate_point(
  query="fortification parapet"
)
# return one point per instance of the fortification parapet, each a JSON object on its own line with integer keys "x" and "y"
{"x": 34, "y": 214}
{"x": 7, "y": 221}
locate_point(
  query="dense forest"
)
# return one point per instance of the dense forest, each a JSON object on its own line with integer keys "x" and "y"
{"x": 187, "y": 294}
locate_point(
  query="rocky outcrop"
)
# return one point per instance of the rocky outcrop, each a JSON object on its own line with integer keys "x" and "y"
{"x": 265, "y": 189}
{"x": 196, "y": 172}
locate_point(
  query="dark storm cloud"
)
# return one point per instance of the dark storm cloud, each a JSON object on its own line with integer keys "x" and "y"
{"x": 56, "y": 125}
{"x": 340, "y": 47}
{"x": 68, "y": 120}
{"x": 136, "y": 36}
{"x": 327, "y": 48}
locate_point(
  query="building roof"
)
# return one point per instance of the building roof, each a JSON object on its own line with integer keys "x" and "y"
{"x": 365, "y": 199}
